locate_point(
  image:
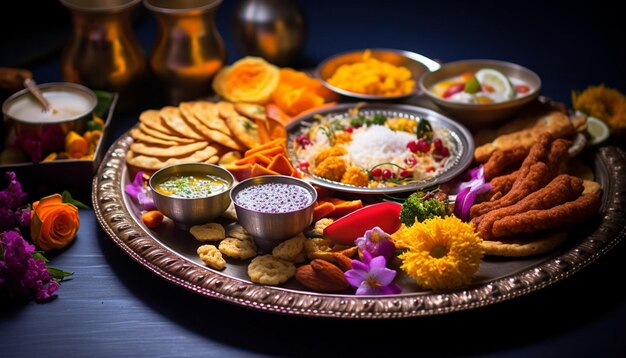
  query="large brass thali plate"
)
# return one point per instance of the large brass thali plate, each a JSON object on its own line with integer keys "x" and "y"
{"x": 170, "y": 253}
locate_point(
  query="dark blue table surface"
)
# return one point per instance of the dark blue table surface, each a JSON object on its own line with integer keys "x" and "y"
{"x": 115, "y": 307}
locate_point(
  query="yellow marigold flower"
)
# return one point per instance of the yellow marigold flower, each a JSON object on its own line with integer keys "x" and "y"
{"x": 442, "y": 253}
{"x": 602, "y": 102}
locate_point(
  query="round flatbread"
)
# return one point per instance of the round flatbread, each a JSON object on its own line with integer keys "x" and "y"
{"x": 152, "y": 118}
{"x": 145, "y": 162}
{"x": 156, "y": 134}
{"x": 209, "y": 115}
{"x": 527, "y": 245}
{"x": 167, "y": 151}
{"x": 173, "y": 119}
{"x": 139, "y": 135}
{"x": 244, "y": 130}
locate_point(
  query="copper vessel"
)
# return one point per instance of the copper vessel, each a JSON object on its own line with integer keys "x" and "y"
{"x": 272, "y": 29}
{"x": 103, "y": 52}
{"x": 188, "y": 50}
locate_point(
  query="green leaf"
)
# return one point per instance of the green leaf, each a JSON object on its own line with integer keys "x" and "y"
{"x": 104, "y": 102}
{"x": 38, "y": 255}
{"x": 313, "y": 234}
{"x": 67, "y": 198}
{"x": 58, "y": 274}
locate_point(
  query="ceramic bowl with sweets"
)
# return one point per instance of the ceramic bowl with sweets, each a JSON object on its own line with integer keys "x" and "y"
{"x": 374, "y": 74}
{"x": 480, "y": 93}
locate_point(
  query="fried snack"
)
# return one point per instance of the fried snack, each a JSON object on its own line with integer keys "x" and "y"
{"x": 160, "y": 135}
{"x": 173, "y": 119}
{"x": 502, "y": 160}
{"x": 208, "y": 232}
{"x": 290, "y": 249}
{"x": 524, "y": 245}
{"x": 531, "y": 176}
{"x": 139, "y": 135}
{"x": 209, "y": 114}
{"x": 186, "y": 109}
{"x": 591, "y": 187}
{"x": 251, "y": 110}
{"x": 556, "y": 123}
{"x": 150, "y": 163}
{"x": 226, "y": 109}
{"x": 238, "y": 232}
{"x": 211, "y": 256}
{"x": 236, "y": 248}
{"x": 244, "y": 129}
{"x": 502, "y": 184}
{"x": 270, "y": 270}
{"x": 321, "y": 224}
{"x": 165, "y": 151}
{"x": 560, "y": 190}
{"x": 152, "y": 118}
{"x": 537, "y": 177}
{"x": 556, "y": 217}
{"x": 318, "y": 248}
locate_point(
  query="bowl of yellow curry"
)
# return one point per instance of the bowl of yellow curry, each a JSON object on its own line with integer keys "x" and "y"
{"x": 374, "y": 74}
{"x": 191, "y": 193}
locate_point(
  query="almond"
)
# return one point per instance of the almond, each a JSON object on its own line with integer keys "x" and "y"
{"x": 322, "y": 276}
{"x": 342, "y": 261}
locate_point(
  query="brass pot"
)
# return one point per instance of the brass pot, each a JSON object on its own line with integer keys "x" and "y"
{"x": 188, "y": 50}
{"x": 272, "y": 29}
{"x": 103, "y": 52}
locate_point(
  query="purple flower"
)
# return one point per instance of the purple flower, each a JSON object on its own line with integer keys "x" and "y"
{"x": 372, "y": 277}
{"x": 52, "y": 139}
{"x": 466, "y": 191}
{"x": 376, "y": 242}
{"x": 29, "y": 145}
{"x": 138, "y": 191}
{"x": 11, "y": 198}
{"x": 20, "y": 273}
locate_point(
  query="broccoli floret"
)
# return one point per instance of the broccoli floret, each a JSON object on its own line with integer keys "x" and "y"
{"x": 421, "y": 206}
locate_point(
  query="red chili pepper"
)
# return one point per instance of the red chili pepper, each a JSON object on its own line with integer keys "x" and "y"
{"x": 385, "y": 215}
{"x": 455, "y": 88}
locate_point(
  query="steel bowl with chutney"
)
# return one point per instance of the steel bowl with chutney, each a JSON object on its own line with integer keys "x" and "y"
{"x": 191, "y": 193}
{"x": 273, "y": 208}
{"x": 504, "y": 89}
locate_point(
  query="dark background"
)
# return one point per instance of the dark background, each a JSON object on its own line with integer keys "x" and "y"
{"x": 570, "y": 44}
{"x": 115, "y": 307}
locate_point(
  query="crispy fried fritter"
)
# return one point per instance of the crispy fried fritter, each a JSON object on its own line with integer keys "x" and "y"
{"x": 560, "y": 190}
{"x": 501, "y": 160}
{"x": 559, "y": 216}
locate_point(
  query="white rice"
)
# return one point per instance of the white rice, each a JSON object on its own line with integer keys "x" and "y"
{"x": 378, "y": 144}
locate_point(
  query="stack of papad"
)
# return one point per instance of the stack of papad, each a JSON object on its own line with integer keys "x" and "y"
{"x": 198, "y": 131}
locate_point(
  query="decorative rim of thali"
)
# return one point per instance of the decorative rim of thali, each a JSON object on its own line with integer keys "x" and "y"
{"x": 461, "y": 135}
{"x": 115, "y": 219}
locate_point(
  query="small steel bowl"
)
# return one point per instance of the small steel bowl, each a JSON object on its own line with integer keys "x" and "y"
{"x": 74, "y": 104}
{"x": 270, "y": 229}
{"x": 184, "y": 211}
{"x": 416, "y": 63}
{"x": 476, "y": 115}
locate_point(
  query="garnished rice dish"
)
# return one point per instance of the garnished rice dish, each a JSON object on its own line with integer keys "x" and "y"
{"x": 373, "y": 150}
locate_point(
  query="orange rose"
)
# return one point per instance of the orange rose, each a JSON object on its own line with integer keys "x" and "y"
{"x": 53, "y": 222}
